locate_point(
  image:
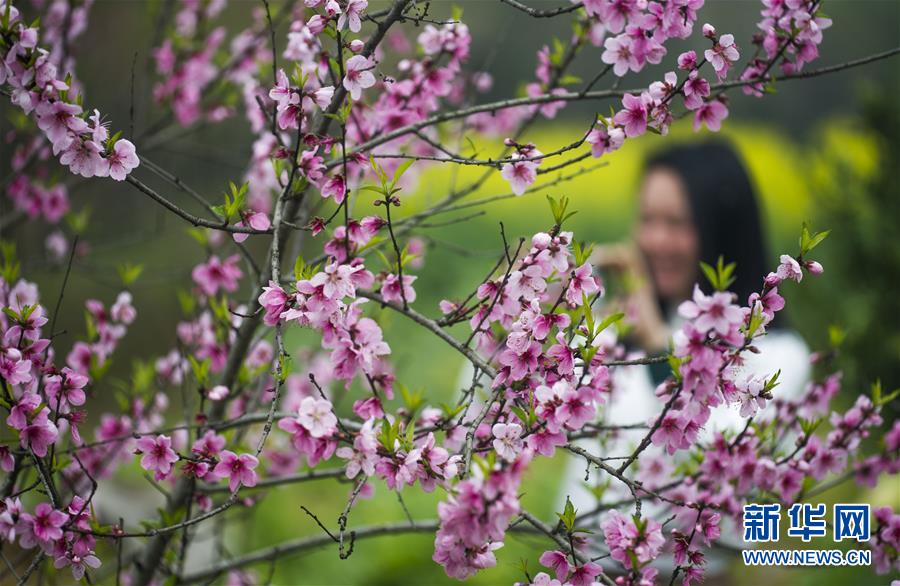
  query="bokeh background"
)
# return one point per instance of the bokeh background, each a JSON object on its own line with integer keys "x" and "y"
{"x": 824, "y": 150}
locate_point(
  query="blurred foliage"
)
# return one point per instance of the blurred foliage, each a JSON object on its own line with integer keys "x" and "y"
{"x": 856, "y": 193}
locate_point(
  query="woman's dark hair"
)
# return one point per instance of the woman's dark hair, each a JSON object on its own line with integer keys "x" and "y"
{"x": 724, "y": 208}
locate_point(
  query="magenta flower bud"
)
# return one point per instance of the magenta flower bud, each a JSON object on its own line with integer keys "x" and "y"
{"x": 709, "y": 31}
{"x": 814, "y": 267}
{"x": 356, "y": 45}
{"x": 772, "y": 280}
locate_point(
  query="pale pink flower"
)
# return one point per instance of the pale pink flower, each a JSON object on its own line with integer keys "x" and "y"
{"x": 351, "y": 13}
{"x": 789, "y": 268}
{"x": 712, "y": 312}
{"x": 722, "y": 55}
{"x": 357, "y": 76}
{"x": 521, "y": 174}
{"x": 317, "y": 416}
{"x": 390, "y": 289}
{"x": 605, "y": 139}
{"x": 507, "y": 440}
{"x": 122, "y": 159}
{"x": 711, "y": 114}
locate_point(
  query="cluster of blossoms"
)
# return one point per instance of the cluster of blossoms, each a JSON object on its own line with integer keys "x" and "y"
{"x": 633, "y": 542}
{"x": 638, "y": 32}
{"x": 474, "y": 520}
{"x": 63, "y": 534}
{"x": 80, "y": 139}
{"x": 37, "y": 199}
{"x": 402, "y": 101}
{"x": 801, "y": 21}
{"x": 208, "y": 460}
{"x": 188, "y": 70}
{"x": 43, "y": 403}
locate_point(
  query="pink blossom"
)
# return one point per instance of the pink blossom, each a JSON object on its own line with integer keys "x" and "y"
{"x": 582, "y": 282}
{"x": 695, "y": 89}
{"x": 13, "y": 368}
{"x": 351, "y": 13}
{"x": 317, "y": 416}
{"x": 722, "y": 55}
{"x": 712, "y": 312}
{"x": 256, "y": 220}
{"x": 521, "y": 174}
{"x": 357, "y": 75}
{"x": 390, "y": 289}
{"x": 335, "y": 188}
{"x": 624, "y": 539}
{"x": 83, "y": 158}
{"x": 507, "y": 440}
{"x": 60, "y": 121}
{"x": 238, "y": 469}
{"x": 215, "y": 275}
{"x": 670, "y": 433}
{"x": 557, "y": 561}
{"x": 605, "y": 138}
{"x": 634, "y": 117}
{"x": 584, "y": 575}
{"x": 158, "y": 455}
{"x": 122, "y": 310}
{"x": 39, "y": 434}
{"x": 21, "y": 411}
{"x": 44, "y": 526}
{"x": 814, "y": 267}
{"x": 711, "y": 114}
{"x": 77, "y": 562}
{"x": 65, "y": 389}
{"x": 122, "y": 159}
{"x": 789, "y": 268}
{"x": 218, "y": 393}
{"x": 274, "y": 302}
{"x": 619, "y": 53}
{"x": 687, "y": 60}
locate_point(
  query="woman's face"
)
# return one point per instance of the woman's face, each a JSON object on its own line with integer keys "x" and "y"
{"x": 667, "y": 236}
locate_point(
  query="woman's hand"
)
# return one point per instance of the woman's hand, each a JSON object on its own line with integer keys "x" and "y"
{"x": 640, "y": 304}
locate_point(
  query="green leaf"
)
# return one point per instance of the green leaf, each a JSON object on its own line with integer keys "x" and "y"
{"x": 809, "y": 241}
{"x": 568, "y": 516}
{"x": 200, "y": 369}
{"x": 187, "y": 302}
{"x": 400, "y": 171}
{"x": 836, "y": 335}
{"x": 608, "y": 321}
{"x": 129, "y": 273}
{"x": 569, "y": 80}
{"x": 721, "y": 277}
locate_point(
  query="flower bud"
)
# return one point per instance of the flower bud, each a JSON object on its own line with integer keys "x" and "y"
{"x": 813, "y": 267}
{"x": 316, "y": 24}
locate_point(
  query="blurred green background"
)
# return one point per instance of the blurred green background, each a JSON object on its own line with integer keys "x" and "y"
{"x": 824, "y": 150}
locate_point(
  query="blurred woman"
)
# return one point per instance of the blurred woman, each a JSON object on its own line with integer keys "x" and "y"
{"x": 696, "y": 203}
